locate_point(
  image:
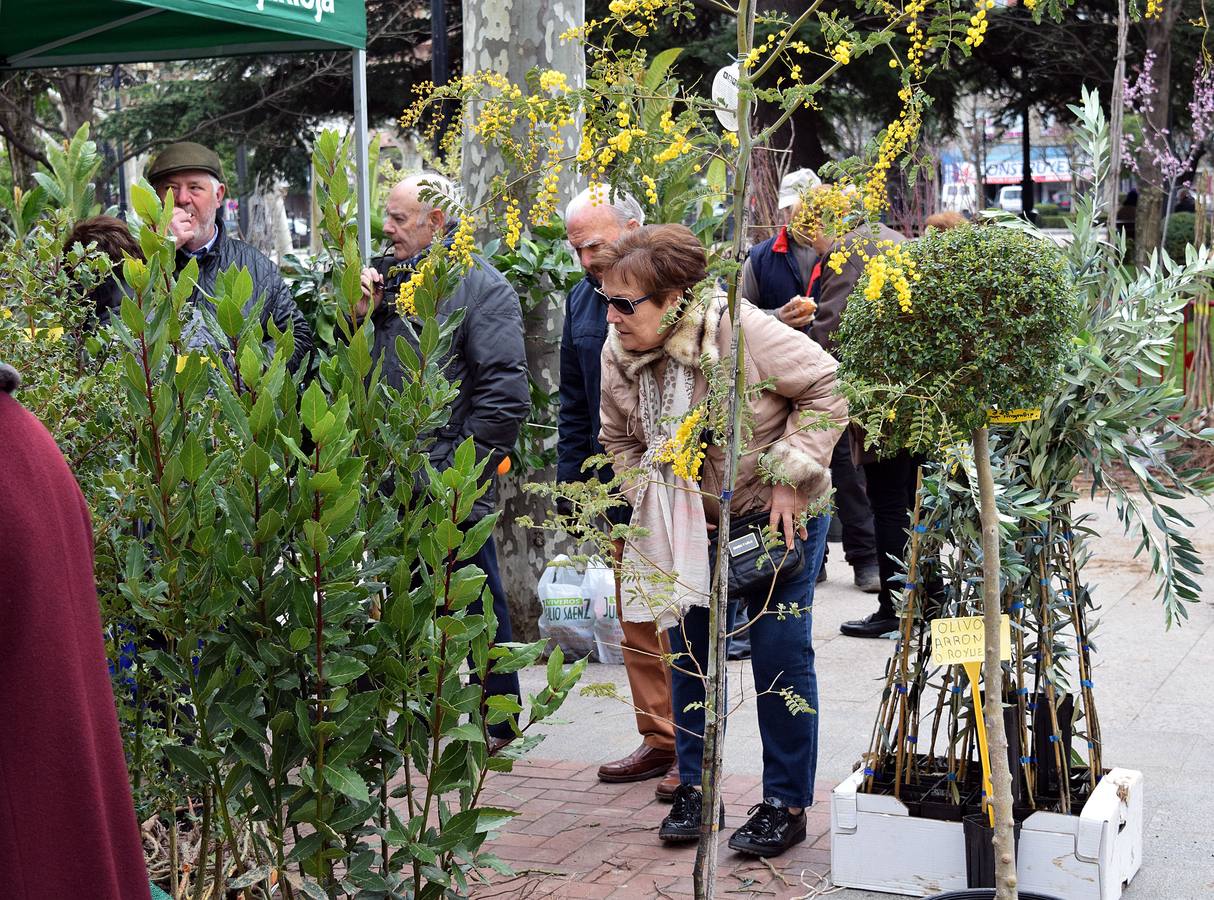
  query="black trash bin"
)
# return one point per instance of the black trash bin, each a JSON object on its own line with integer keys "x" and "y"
{"x": 987, "y": 894}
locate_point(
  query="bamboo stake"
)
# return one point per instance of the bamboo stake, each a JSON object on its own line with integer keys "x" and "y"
{"x": 938, "y": 713}
{"x": 1079, "y": 623}
{"x": 1026, "y": 748}
{"x": 877, "y": 743}
{"x": 1046, "y": 650}
{"x": 908, "y": 624}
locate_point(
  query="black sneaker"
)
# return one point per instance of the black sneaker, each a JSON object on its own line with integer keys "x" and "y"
{"x": 770, "y": 831}
{"x": 682, "y": 824}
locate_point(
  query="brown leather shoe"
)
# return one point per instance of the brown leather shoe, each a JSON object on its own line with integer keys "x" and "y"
{"x": 644, "y": 762}
{"x": 666, "y": 787}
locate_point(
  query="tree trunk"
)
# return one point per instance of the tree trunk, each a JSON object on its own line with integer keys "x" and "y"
{"x": 977, "y": 145}
{"x": 992, "y": 676}
{"x": 1148, "y": 224}
{"x": 1116, "y": 120}
{"x": 704, "y": 874}
{"x": 18, "y": 121}
{"x": 77, "y": 89}
{"x": 1026, "y": 163}
{"x": 511, "y": 37}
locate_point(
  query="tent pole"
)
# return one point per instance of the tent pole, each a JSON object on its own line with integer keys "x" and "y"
{"x": 361, "y": 151}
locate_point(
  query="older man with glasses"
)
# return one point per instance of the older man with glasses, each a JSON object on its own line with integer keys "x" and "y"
{"x": 594, "y": 220}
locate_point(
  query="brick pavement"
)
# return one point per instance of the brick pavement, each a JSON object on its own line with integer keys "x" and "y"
{"x": 577, "y": 837}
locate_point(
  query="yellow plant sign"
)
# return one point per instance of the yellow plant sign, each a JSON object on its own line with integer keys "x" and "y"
{"x": 1012, "y": 416}
{"x": 963, "y": 640}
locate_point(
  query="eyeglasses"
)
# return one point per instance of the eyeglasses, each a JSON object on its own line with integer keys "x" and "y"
{"x": 623, "y": 305}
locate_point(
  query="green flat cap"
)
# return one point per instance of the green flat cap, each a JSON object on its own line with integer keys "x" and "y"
{"x": 182, "y": 157}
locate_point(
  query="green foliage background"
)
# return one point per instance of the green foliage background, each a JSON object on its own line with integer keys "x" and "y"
{"x": 290, "y": 628}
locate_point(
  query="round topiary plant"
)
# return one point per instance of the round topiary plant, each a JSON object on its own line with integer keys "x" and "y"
{"x": 936, "y": 339}
{"x": 988, "y": 322}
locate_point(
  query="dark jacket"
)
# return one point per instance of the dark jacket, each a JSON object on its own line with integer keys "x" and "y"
{"x": 487, "y": 358}
{"x": 67, "y": 821}
{"x": 832, "y": 290}
{"x": 776, "y": 273}
{"x": 582, "y": 341}
{"x": 267, "y": 281}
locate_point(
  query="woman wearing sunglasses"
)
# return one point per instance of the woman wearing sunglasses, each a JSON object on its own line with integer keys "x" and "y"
{"x": 669, "y": 338}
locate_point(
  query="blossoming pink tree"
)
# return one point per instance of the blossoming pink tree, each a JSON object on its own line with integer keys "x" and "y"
{"x": 1172, "y": 154}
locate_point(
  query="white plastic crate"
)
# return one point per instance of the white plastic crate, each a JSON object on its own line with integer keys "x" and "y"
{"x": 876, "y": 845}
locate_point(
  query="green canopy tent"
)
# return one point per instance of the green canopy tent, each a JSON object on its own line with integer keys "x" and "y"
{"x": 44, "y": 33}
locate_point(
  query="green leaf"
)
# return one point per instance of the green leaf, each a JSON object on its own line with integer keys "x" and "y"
{"x": 515, "y": 656}
{"x": 249, "y": 878}
{"x": 310, "y": 888}
{"x": 313, "y": 405}
{"x": 360, "y": 355}
{"x": 243, "y": 722}
{"x": 300, "y": 638}
{"x": 187, "y": 760}
{"x": 145, "y": 203}
{"x": 343, "y": 669}
{"x": 242, "y": 287}
{"x": 229, "y": 316}
{"x": 491, "y": 818}
{"x": 256, "y": 462}
{"x": 656, "y": 73}
{"x": 556, "y": 664}
{"x": 193, "y": 458}
{"x": 348, "y": 782}
{"x": 132, "y": 316}
{"x": 466, "y": 732}
{"x": 475, "y": 538}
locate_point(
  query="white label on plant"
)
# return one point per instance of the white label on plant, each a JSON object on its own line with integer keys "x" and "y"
{"x": 963, "y": 640}
{"x": 725, "y": 96}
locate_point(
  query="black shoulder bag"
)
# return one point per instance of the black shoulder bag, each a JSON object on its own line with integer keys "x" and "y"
{"x": 752, "y": 564}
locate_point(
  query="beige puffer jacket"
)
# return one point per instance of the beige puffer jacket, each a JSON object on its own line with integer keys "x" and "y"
{"x": 802, "y": 377}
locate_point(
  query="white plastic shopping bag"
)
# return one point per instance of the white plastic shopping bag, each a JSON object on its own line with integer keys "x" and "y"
{"x": 568, "y": 618}
{"x": 599, "y": 585}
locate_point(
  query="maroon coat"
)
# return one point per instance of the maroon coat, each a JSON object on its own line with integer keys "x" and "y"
{"x": 67, "y": 823}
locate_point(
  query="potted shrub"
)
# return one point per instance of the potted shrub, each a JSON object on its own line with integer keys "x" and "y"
{"x": 993, "y": 315}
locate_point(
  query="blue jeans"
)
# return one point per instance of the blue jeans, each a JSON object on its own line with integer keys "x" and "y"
{"x": 782, "y": 656}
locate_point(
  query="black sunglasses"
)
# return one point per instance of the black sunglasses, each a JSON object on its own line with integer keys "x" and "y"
{"x": 623, "y": 305}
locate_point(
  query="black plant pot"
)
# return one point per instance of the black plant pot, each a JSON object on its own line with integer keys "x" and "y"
{"x": 979, "y": 853}
{"x": 987, "y": 894}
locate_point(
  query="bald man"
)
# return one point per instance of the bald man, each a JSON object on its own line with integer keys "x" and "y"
{"x": 485, "y": 356}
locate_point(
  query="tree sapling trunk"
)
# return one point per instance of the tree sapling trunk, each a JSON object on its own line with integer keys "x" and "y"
{"x": 992, "y": 676}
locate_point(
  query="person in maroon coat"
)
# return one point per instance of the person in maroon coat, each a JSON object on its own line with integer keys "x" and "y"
{"x": 67, "y": 821}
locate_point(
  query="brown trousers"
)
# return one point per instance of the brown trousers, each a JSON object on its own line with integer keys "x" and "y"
{"x": 648, "y": 675}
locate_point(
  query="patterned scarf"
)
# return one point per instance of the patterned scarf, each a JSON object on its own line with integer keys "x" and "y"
{"x": 670, "y": 562}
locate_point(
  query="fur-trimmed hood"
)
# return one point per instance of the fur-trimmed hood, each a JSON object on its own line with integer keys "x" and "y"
{"x": 9, "y": 379}
{"x": 692, "y": 339}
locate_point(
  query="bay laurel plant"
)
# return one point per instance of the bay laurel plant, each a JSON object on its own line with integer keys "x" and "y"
{"x": 296, "y": 659}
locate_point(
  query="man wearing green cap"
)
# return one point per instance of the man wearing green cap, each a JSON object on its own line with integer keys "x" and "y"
{"x": 195, "y": 176}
